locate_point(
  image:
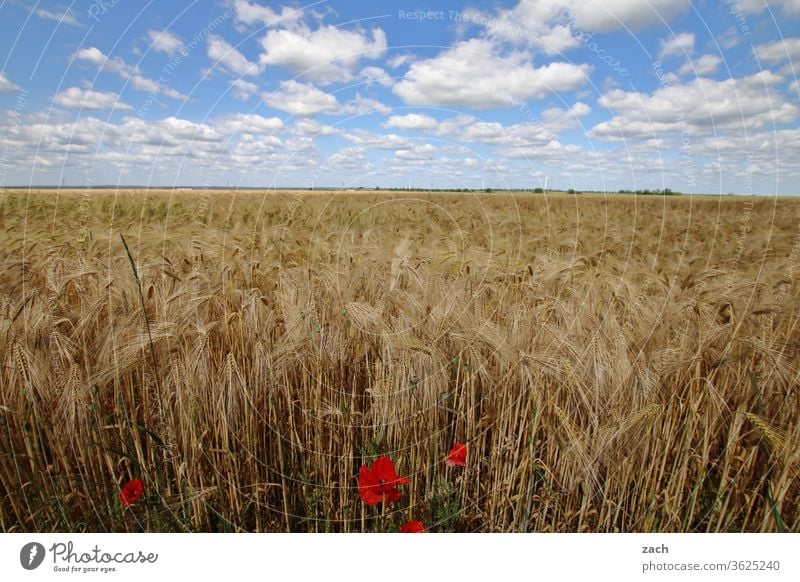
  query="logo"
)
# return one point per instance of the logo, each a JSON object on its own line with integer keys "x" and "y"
{"x": 31, "y": 555}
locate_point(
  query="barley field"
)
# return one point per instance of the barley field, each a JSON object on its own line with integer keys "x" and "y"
{"x": 612, "y": 363}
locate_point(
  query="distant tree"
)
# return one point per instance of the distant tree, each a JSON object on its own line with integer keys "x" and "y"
{"x": 538, "y": 190}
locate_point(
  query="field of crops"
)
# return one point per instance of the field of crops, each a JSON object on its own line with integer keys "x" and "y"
{"x": 614, "y": 363}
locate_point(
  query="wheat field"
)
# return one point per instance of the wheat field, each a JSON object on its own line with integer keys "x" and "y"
{"x": 613, "y": 363}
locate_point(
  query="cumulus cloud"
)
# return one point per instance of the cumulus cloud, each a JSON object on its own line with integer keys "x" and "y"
{"x": 556, "y": 119}
{"x": 554, "y": 26}
{"x": 779, "y": 50}
{"x": 243, "y": 90}
{"x": 301, "y": 99}
{"x": 77, "y": 98}
{"x": 128, "y": 72}
{"x": 248, "y": 123}
{"x": 327, "y": 55}
{"x": 471, "y": 75}
{"x": 164, "y": 41}
{"x": 535, "y": 24}
{"x": 63, "y": 16}
{"x": 551, "y": 151}
{"x": 251, "y": 13}
{"x": 411, "y": 121}
{"x": 7, "y": 86}
{"x": 307, "y": 127}
{"x": 701, "y": 105}
{"x": 351, "y": 158}
{"x": 363, "y": 106}
{"x": 469, "y": 129}
{"x": 376, "y": 75}
{"x": 229, "y": 57}
{"x": 367, "y": 139}
{"x": 676, "y": 45}
{"x": 416, "y": 153}
{"x": 608, "y": 15}
{"x": 703, "y": 65}
{"x": 787, "y": 7}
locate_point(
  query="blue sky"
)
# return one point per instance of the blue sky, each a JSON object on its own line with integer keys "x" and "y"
{"x": 698, "y": 97}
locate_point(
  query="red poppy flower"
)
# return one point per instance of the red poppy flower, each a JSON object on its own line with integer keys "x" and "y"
{"x": 457, "y": 456}
{"x": 412, "y": 527}
{"x": 131, "y": 492}
{"x": 377, "y": 483}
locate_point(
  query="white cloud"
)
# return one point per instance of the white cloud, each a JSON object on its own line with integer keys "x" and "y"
{"x": 391, "y": 141}
{"x": 417, "y": 153}
{"x": 226, "y": 55}
{"x": 77, "y": 98}
{"x": 251, "y": 13}
{"x": 95, "y": 55}
{"x": 243, "y": 90}
{"x": 180, "y": 151}
{"x": 312, "y": 128}
{"x": 376, "y": 75}
{"x": 7, "y": 86}
{"x": 301, "y": 99}
{"x": 470, "y": 75}
{"x": 363, "y": 106}
{"x": 411, "y": 121}
{"x": 64, "y": 16}
{"x": 701, "y": 105}
{"x": 487, "y": 132}
{"x": 608, "y": 15}
{"x": 469, "y": 129}
{"x": 730, "y": 38}
{"x": 327, "y": 55}
{"x": 552, "y": 151}
{"x": 171, "y": 131}
{"x": 554, "y": 26}
{"x": 164, "y": 41}
{"x": 399, "y": 60}
{"x": 778, "y": 51}
{"x": 557, "y": 120}
{"x": 676, "y": 45}
{"x": 351, "y": 158}
{"x": 533, "y": 24}
{"x": 703, "y": 65}
{"x": 248, "y": 123}
{"x": 128, "y": 72}
{"x": 787, "y": 7}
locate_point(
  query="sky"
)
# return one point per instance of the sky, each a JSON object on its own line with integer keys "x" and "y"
{"x": 694, "y": 96}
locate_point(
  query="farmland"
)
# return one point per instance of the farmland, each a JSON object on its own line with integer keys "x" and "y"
{"x": 612, "y": 363}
